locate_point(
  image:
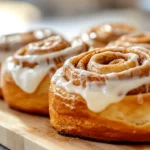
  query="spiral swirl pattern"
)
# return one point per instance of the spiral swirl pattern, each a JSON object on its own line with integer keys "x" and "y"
{"x": 134, "y": 39}
{"x": 40, "y": 59}
{"x": 109, "y": 64}
{"x": 101, "y": 35}
{"x": 15, "y": 41}
{"x": 41, "y": 50}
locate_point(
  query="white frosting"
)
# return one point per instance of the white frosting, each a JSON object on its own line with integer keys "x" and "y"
{"x": 3, "y": 56}
{"x": 68, "y": 52}
{"x": 99, "y": 97}
{"x": 27, "y": 78}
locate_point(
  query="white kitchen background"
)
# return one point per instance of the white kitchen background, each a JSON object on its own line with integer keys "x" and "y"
{"x": 70, "y": 16}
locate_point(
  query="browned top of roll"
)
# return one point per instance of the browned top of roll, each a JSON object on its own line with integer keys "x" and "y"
{"x": 101, "y": 35}
{"x": 97, "y": 66}
{"x": 15, "y": 41}
{"x": 134, "y": 39}
{"x": 51, "y": 44}
{"x": 43, "y": 47}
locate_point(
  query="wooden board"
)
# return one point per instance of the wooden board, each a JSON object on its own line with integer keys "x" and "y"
{"x": 20, "y": 131}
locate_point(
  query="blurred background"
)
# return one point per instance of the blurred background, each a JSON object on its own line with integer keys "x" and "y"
{"x": 70, "y": 16}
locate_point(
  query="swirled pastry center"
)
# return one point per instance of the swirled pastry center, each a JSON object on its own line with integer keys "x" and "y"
{"x": 101, "y": 35}
{"x": 15, "y": 41}
{"x": 134, "y": 39}
{"x": 32, "y": 63}
{"x": 106, "y": 76}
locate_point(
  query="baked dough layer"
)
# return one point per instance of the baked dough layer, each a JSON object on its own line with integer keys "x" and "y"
{"x": 125, "y": 121}
{"x": 36, "y": 102}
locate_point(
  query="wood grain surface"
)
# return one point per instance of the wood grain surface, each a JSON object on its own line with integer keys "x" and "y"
{"x": 20, "y": 131}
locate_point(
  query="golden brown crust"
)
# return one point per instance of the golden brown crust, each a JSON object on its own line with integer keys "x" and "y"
{"x": 36, "y": 102}
{"x": 49, "y": 45}
{"x": 127, "y": 120}
{"x": 18, "y": 99}
{"x": 133, "y": 39}
{"x": 17, "y": 40}
{"x": 12, "y": 42}
{"x": 102, "y": 61}
{"x": 100, "y": 35}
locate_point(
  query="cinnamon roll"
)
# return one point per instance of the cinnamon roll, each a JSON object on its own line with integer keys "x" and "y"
{"x": 100, "y": 35}
{"x": 103, "y": 94}
{"x": 26, "y": 75}
{"x": 10, "y": 43}
{"x": 133, "y": 39}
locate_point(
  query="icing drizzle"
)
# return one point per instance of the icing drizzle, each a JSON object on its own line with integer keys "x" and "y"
{"x": 111, "y": 87}
{"x": 28, "y": 78}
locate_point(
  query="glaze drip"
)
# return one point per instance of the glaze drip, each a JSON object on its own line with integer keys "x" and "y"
{"x": 101, "y": 84}
{"x": 28, "y": 70}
